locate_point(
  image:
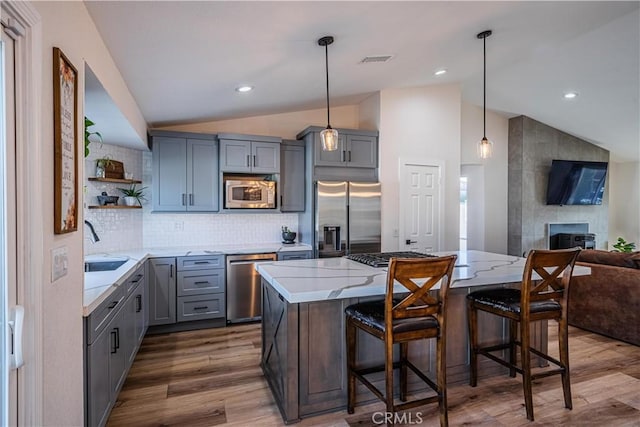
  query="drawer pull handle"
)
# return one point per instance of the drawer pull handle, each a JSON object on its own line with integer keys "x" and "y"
{"x": 112, "y": 305}
{"x": 202, "y": 283}
{"x": 201, "y": 262}
{"x": 138, "y": 303}
{"x": 202, "y": 307}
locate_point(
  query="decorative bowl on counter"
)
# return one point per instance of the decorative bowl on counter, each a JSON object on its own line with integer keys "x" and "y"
{"x": 105, "y": 199}
{"x": 289, "y": 237}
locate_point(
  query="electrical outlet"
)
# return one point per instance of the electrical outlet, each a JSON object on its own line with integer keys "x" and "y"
{"x": 178, "y": 226}
{"x": 59, "y": 263}
{"x": 396, "y": 233}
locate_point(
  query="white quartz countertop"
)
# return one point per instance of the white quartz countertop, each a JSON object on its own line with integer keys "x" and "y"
{"x": 100, "y": 284}
{"x": 335, "y": 278}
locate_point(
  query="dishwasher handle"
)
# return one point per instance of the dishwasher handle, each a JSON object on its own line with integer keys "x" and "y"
{"x": 249, "y": 261}
{"x": 250, "y": 258}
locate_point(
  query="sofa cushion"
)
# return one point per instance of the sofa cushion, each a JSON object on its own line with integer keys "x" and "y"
{"x": 618, "y": 259}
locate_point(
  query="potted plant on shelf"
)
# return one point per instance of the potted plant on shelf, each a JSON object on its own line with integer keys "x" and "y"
{"x": 87, "y": 124}
{"x": 133, "y": 195}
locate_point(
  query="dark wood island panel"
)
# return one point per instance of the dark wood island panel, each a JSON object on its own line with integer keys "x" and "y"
{"x": 303, "y": 351}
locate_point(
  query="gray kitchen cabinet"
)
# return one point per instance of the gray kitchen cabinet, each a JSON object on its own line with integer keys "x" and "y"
{"x": 97, "y": 395}
{"x": 286, "y": 256}
{"x": 201, "y": 288}
{"x": 292, "y": 176}
{"x": 356, "y": 149}
{"x": 113, "y": 333}
{"x": 162, "y": 291}
{"x": 249, "y": 153}
{"x": 185, "y": 172}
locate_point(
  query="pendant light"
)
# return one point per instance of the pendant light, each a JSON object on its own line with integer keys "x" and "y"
{"x": 485, "y": 146}
{"x": 329, "y": 136}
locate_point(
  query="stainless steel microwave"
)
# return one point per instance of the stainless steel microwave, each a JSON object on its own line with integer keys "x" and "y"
{"x": 250, "y": 194}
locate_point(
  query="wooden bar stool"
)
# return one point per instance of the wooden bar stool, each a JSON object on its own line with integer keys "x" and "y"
{"x": 540, "y": 299}
{"x": 416, "y": 316}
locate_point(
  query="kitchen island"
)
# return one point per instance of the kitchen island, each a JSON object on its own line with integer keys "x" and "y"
{"x": 303, "y": 342}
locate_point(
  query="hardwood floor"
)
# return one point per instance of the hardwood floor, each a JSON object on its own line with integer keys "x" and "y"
{"x": 212, "y": 377}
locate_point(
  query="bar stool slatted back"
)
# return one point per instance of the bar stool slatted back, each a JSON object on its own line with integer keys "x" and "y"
{"x": 542, "y": 298}
{"x": 417, "y": 315}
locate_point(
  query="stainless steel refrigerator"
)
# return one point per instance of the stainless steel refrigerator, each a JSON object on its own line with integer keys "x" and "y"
{"x": 347, "y": 218}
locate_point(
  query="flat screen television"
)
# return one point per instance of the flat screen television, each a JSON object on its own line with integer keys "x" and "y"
{"x": 576, "y": 182}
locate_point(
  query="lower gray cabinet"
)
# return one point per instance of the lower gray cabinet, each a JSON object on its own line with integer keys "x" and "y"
{"x": 209, "y": 306}
{"x": 113, "y": 334}
{"x": 200, "y": 288}
{"x": 286, "y": 256}
{"x": 162, "y": 291}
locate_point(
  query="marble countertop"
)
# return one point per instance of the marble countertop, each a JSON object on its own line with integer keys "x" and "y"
{"x": 335, "y": 278}
{"x": 100, "y": 284}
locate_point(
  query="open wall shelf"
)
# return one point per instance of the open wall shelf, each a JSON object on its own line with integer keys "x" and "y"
{"x": 115, "y": 207}
{"x": 116, "y": 180}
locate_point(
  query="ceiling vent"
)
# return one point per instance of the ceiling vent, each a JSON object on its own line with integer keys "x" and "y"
{"x": 377, "y": 58}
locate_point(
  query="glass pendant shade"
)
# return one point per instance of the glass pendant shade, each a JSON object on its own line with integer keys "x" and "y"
{"x": 485, "y": 148}
{"x": 329, "y": 138}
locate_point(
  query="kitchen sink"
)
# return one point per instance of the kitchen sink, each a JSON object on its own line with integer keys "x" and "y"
{"x": 92, "y": 266}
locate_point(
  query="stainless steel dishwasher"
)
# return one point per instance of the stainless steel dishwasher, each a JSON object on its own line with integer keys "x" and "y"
{"x": 243, "y": 287}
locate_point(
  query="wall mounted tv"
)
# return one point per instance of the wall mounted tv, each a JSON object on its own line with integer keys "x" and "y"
{"x": 576, "y": 182}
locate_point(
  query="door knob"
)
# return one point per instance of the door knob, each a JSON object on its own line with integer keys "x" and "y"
{"x": 409, "y": 241}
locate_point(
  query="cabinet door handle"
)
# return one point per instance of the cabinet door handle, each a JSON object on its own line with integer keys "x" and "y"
{"x": 171, "y": 270}
{"x": 190, "y": 199}
{"x": 349, "y": 155}
{"x": 138, "y": 303}
{"x": 184, "y": 199}
{"x": 248, "y": 160}
{"x": 342, "y": 153}
{"x": 114, "y": 338}
{"x": 254, "y": 160}
{"x": 112, "y": 305}
{"x": 117, "y": 338}
{"x": 202, "y": 307}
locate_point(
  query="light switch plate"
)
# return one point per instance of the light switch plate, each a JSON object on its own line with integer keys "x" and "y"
{"x": 59, "y": 263}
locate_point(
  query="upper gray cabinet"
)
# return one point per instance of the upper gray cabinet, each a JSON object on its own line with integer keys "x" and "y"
{"x": 185, "y": 172}
{"x": 354, "y": 150}
{"x": 356, "y": 158}
{"x": 249, "y": 153}
{"x": 292, "y": 176}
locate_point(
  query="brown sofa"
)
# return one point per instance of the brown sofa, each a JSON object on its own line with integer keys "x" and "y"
{"x": 608, "y": 301}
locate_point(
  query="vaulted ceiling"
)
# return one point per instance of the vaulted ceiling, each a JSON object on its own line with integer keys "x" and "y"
{"x": 182, "y": 61}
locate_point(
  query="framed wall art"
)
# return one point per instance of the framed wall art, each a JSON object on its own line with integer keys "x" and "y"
{"x": 65, "y": 135}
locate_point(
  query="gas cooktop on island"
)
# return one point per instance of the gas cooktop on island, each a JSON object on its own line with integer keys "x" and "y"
{"x": 381, "y": 259}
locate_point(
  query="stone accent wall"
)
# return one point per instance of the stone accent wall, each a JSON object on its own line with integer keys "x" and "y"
{"x": 532, "y": 147}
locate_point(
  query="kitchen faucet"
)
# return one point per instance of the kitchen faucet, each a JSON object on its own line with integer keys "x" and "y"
{"x": 93, "y": 232}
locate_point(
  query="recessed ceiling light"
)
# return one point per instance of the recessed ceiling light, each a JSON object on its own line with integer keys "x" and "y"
{"x": 570, "y": 95}
{"x": 243, "y": 89}
{"x": 440, "y": 72}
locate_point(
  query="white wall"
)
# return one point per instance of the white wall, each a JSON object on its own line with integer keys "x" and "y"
{"x": 285, "y": 125}
{"x": 118, "y": 229}
{"x": 495, "y": 172}
{"x": 67, "y": 25}
{"x": 624, "y": 202}
{"x": 420, "y": 123}
{"x": 369, "y": 113}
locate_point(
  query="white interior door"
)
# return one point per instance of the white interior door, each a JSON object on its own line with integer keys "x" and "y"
{"x": 8, "y": 287}
{"x": 420, "y": 207}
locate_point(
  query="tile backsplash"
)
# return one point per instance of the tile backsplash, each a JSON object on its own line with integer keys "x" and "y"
{"x": 125, "y": 229}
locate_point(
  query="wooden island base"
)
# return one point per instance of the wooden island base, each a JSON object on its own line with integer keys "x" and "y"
{"x": 304, "y": 351}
